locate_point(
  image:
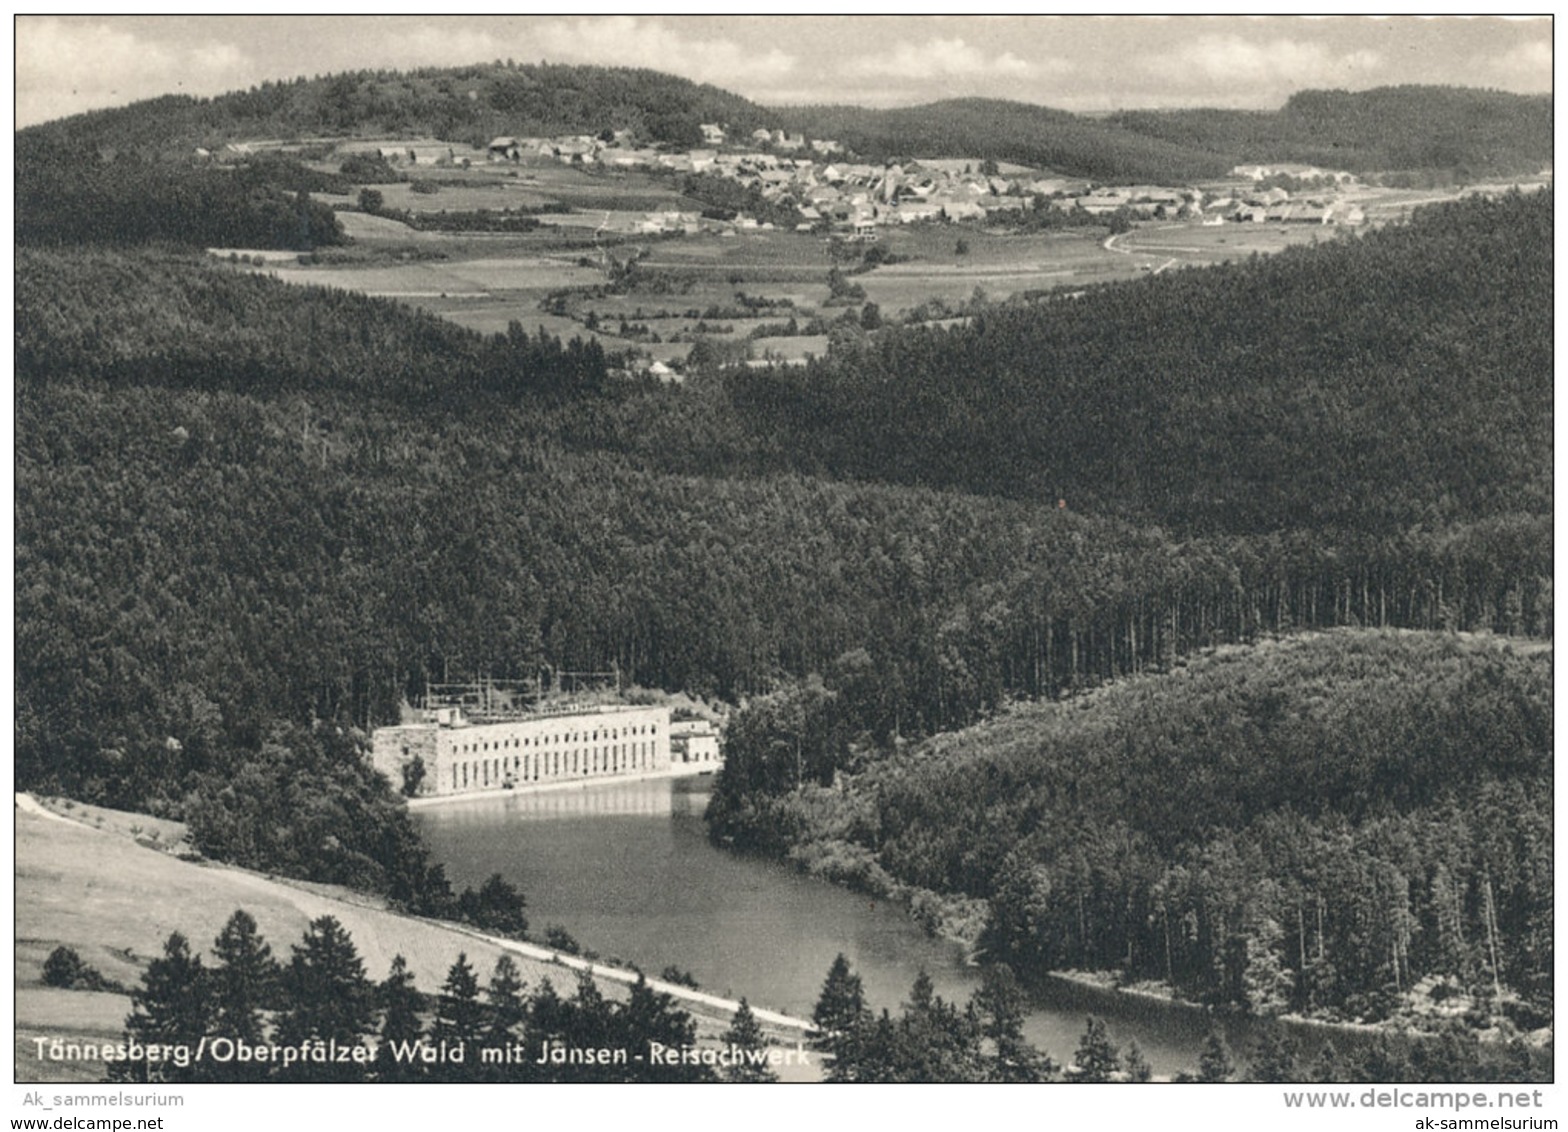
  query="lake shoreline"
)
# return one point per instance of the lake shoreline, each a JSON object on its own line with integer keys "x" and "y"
{"x": 953, "y": 918}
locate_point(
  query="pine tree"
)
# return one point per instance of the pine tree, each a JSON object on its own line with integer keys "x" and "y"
{"x": 1215, "y": 1063}
{"x": 546, "y": 1013}
{"x": 587, "y": 1020}
{"x": 934, "y": 1040}
{"x": 508, "y": 1009}
{"x": 841, "y": 1006}
{"x": 1000, "y": 1004}
{"x": 1097, "y": 1059}
{"x": 459, "y": 1022}
{"x": 1329, "y": 1068}
{"x": 173, "y": 1007}
{"x": 744, "y": 1038}
{"x": 1137, "y": 1066}
{"x": 1275, "y": 1058}
{"x": 502, "y": 907}
{"x": 650, "y": 1016}
{"x": 244, "y": 982}
{"x": 508, "y": 1006}
{"x": 330, "y": 1001}
{"x": 401, "y": 1028}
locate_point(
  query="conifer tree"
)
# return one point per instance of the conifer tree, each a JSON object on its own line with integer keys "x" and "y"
{"x": 1097, "y": 1059}
{"x": 173, "y": 1007}
{"x": 650, "y": 1016}
{"x": 1137, "y": 1066}
{"x": 934, "y": 1040}
{"x": 245, "y": 982}
{"x": 1215, "y": 1063}
{"x": 401, "y": 1028}
{"x": 1275, "y": 1058}
{"x": 744, "y": 1037}
{"x": 586, "y": 1020}
{"x": 841, "y": 1007}
{"x": 508, "y": 1009}
{"x": 546, "y": 1013}
{"x": 1000, "y": 1004}
{"x": 330, "y": 1001}
{"x": 459, "y": 1021}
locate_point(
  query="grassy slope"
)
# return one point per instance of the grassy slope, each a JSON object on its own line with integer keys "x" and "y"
{"x": 96, "y": 890}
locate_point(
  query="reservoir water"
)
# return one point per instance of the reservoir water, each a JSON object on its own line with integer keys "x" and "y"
{"x": 627, "y": 869}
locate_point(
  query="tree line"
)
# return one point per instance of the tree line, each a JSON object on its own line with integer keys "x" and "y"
{"x": 246, "y": 1016}
{"x": 319, "y": 1017}
{"x": 932, "y": 1040}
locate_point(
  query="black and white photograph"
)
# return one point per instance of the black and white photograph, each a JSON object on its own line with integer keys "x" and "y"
{"x": 594, "y": 549}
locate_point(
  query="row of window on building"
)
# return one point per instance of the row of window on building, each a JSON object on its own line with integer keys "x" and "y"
{"x": 480, "y": 773}
{"x": 563, "y": 737}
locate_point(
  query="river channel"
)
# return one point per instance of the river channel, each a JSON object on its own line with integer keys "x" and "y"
{"x": 627, "y": 869}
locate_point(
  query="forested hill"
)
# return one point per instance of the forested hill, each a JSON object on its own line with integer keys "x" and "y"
{"x": 471, "y": 105}
{"x": 1398, "y": 378}
{"x": 1319, "y": 824}
{"x": 1468, "y": 132}
{"x": 1473, "y": 133}
{"x": 999, "y": 130}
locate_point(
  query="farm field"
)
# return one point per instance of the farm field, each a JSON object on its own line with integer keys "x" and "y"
{"x": 493, "y": 194}
{"x": 796, "y": 349}
{"x": 434, "y": 278}
{"x": 529, "y": 185}
{"x": 1188, "y": 244}
{"x": 486, "y": 281}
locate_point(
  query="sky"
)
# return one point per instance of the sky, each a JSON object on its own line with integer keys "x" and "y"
{"x": 67, "y": 64}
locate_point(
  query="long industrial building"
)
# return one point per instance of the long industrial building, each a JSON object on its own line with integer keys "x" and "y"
{"x": 446, "y": 752}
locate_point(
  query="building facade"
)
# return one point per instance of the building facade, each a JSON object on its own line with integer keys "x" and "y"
{"x": 447, "y": 753}
{"x": 694, "y": 743}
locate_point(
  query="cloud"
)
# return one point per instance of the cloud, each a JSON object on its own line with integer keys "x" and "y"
{"x": 68, "y": 66}
{"x": 1228, "y": 62}
{"x": 431, "y": 45}
{"x": 946, "y": 58}
{"x": 631, "y": 42}
{"x": 1527, "y": 68}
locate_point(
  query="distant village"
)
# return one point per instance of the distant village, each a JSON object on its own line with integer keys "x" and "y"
{"x": 831, "y": 191}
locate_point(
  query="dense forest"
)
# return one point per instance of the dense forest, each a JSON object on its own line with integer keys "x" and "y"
{"x": 1472, "y": 133}
{"x": 1372, "y": 383}
{"x": 468, "y": 105}
{"x": 996, "y": 130}
{"x": 65, "y": 197}
{"x": 1323, "y": 824}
